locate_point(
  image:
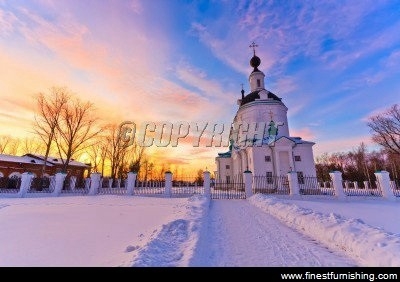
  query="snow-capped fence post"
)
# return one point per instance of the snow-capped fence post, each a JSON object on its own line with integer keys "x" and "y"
{"x": 207, "y": 187}
{"x": 293, "y": 183}
{"x": 168, "y": 184}
{"x": 248, "y": 182}
{"x": 130, "y": 183}
{"x": 383, "y": 180}
{"x": 337, "y": 182}
{"x": 26, "y": 179}
{"x": 94, "y": 183}
{"x": 59, "y": 184}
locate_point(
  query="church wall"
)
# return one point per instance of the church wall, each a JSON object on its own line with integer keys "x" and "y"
{"x": 259, "y": 165}
{"x": 283, "y": 159}
{"x": 225, "y": 168}
{"x": 261, "y": 113}
{"x": 306, "y": 165}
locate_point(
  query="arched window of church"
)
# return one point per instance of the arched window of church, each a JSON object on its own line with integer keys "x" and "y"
{"x": 258, "y": 83}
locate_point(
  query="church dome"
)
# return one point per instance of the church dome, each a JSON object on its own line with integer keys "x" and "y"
{"x": 255, "y": 62}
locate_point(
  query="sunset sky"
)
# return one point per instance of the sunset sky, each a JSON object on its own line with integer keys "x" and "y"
{"x": 333, "y": 63}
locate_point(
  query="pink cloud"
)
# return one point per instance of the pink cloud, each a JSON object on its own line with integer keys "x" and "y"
{"x": 305, "y": 133}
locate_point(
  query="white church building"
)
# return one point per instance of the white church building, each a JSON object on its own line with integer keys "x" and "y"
{"x": 276, "y": 152}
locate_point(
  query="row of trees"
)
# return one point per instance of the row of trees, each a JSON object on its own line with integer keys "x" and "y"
{"x": 14, "y": 146}
{"x": 359, "y": 164}
{"x": 67, "y": 127}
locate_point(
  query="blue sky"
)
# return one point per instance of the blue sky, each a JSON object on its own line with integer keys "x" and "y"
{"x": 334, "y": 63}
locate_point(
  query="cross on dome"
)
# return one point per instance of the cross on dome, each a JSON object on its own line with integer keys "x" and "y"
{"x": 253, "y": 45}
{"x": 255, "y": 61}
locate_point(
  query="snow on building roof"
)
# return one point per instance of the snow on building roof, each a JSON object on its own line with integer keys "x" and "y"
{"x": 55, "y": 160}
{"x": 21, "y": 159}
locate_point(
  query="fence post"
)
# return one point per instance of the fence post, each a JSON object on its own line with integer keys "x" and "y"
{"x": 248, "y": 181}
{"x": 207, "y": 187}
{"x": 130, "y": 183}
{"x": 384, "y": 183}
{"x": 94, "y": 183}
{"x": 337, "y": 182}
{"x": 168, "y": 184}
{"x": 58, "y": 186}
{"x": 293, "y": 183}
{"x": 26, "y": 179}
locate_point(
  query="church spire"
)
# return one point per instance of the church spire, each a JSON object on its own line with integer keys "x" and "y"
{"x": 256, "y": 78}
{"x": 255, "y": 61}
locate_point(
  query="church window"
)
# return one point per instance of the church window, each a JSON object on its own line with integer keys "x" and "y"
{"x": 300, "y": 177}
{"x": 267, "y": 158}
{"x": 228, "y": 179}
{"x": 297, "y": 158}
{"x": 269, "y": 177}
{"x": 227, "y": 166}
{"x": 258, "y": 83}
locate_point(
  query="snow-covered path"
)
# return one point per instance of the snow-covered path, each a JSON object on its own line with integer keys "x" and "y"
{"x": 239, "y": 234}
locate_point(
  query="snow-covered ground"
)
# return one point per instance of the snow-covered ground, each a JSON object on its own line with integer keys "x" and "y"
{"x": 87, "y": 231}
{"x": 148, "y": 231}
{"x": 239, "y": 234}
{"x": 365, "y": 230}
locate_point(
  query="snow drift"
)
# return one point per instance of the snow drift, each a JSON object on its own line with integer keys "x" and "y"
{"x": 368, "y": 245}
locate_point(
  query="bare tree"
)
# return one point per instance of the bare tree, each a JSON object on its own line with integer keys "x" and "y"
{"x": 49, "y": 107}
{"x": 116, "y": 149}
{"x": 14, "y": 146}
{"x": 134, "y": 157}
{"x": 95, "y": 152}
{"x": 32, "y": 145}
{"x": 75, "y": 129}
{"x": 386, "y": 129}
{"x": 5, "y": 140}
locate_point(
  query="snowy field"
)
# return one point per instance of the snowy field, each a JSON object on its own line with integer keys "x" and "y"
{"x": 147, "y": 231}
{"x": 87, "y": 231}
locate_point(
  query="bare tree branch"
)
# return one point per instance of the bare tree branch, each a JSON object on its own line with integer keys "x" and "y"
{"x": 49, "y": 108}
{"x": 386, "y": 129}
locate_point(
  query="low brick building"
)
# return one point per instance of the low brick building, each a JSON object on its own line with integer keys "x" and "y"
{"x": 16, "y": 165}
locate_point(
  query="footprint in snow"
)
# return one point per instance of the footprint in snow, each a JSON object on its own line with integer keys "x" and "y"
{"x": 131, "y": 248}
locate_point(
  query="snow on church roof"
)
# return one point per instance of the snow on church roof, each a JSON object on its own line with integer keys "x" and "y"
{"x": 297, "y": 140}
{"x": 20, "y": 159}
{"x": 54, "y": 160}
